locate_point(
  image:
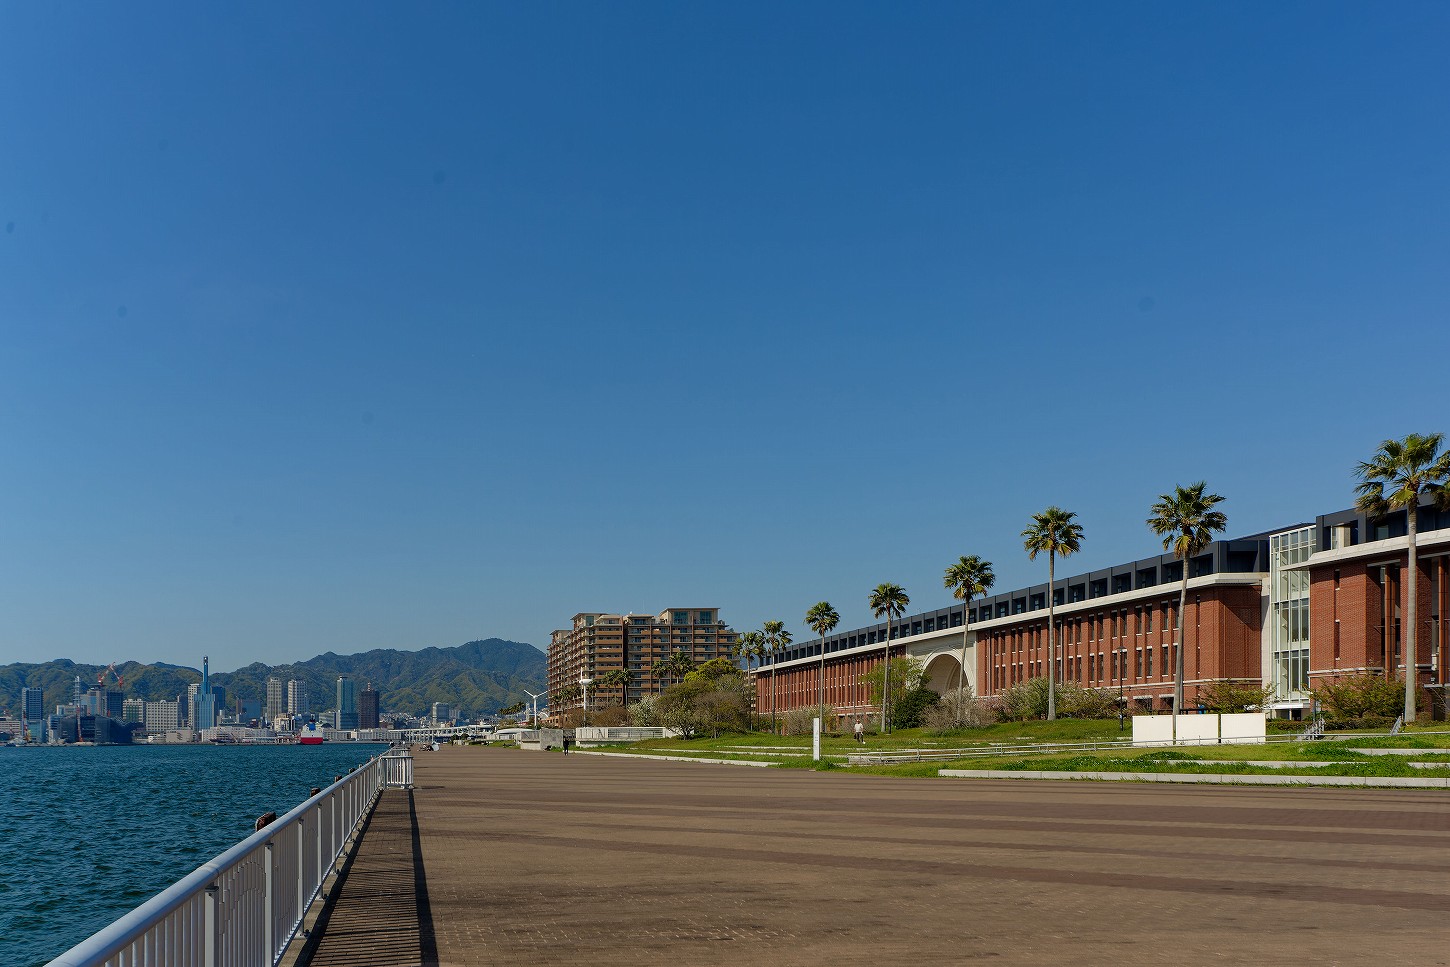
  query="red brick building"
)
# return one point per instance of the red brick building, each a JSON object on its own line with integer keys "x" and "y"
{"x": 1286, "y": 609}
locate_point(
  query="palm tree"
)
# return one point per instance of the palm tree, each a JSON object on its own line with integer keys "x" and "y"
{"x": 567, "y": 695}
{"x": 969, "y": 578}
{"x": 752, "y": 646}
{"x": 1186, "y": 521}
{"x": 889, "y": 600}
{"x": 822, "y": 619}
{"x": 660, "y": 670}
{"x": 1411, "y": 468}
{"x": 680, "y": 664}
{"x": 1052, "y": 531}
{"x": 771, "y": 632}
{"x": 621, "y": 678}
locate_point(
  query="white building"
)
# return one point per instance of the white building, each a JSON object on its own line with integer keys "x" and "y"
{"x": 161, "y": 717}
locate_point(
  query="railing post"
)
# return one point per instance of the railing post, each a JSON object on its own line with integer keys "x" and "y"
{"x": 302, "y": 891}
{"x": 318, "y": 837}
{"x": 209, "y": 938}
{"x": 269, "y": 905}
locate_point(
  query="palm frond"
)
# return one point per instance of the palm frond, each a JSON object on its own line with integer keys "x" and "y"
{"x": 1186, "y": 519}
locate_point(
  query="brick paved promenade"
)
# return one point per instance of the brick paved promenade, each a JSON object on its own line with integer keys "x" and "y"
{"x": 531, "y": 857}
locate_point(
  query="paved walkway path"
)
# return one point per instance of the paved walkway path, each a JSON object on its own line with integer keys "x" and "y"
{"x": 544, "y": 858}
{"x": 381, "y": 916}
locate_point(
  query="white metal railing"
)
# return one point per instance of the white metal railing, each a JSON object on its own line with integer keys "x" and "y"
{"x": 242, "y": 908}
{"x": 397, "y": 766}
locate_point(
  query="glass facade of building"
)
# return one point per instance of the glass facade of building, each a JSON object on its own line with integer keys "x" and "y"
{"x": 1289, "y": 604}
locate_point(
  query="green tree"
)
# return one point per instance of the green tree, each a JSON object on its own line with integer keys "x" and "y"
{"x": 970, "y": 577}
{"x": 899, "y": 682}
{"x": 1187, "y": 522}
{"x": 890, "y": 601}
{"x": 1227, "y": 695}
{"x": 1397, "y": 477}
{"x": 751, "y": 646}
{"x": 711, "y": 698}
{"x": 1357, "y": 696}
{"x": 822, "y": 619}
{"x": 1054, "y": 532}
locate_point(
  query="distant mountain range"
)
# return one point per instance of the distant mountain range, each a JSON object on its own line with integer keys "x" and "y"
{"x": 477, "y": 677}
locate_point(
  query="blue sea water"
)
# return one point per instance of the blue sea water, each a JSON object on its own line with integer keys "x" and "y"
{"x": 89, "y": 833}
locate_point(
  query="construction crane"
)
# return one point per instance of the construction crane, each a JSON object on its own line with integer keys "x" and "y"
{"x": 101, "y": 678}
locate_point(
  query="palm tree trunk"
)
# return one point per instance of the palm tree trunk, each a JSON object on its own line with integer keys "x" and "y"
{"x": 1411, "y": 653}
{"x": 886, "y": 674}
{"x": 1051, "y": 641}
{"x": 1178, "y": 659}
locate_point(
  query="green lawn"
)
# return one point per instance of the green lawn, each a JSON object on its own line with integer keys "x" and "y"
{"x": 1182, "y": 762}
{"x": 1006, "y": 733}
{"x": 794, "y": 751}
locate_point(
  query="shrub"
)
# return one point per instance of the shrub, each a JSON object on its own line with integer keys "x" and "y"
{"x": 1028, "y": 700}
{"x": 610, "y": 715}
{"x": 1076, "y": 702}
{"x": 907, "y": 713}
{"x": 1024, "y": 700}
{"x": 1377, "y": 723}
{"x": 1231, "y": 696}
{"x": 1359, "y": 696}
{"x": 958, "y": 709}
{"x": 797, "y": 721}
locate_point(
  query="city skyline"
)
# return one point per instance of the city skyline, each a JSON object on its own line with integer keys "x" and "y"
{"x": 344, "y": 324}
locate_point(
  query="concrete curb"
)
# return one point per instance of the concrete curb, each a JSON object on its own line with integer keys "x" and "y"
{"x": 1206, "y": 778}
{"x": 677, "y": 758}
{"x": 1400, "y": 751}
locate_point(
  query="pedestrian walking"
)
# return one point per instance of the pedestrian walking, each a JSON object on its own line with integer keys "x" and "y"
{"x": 860, "y": 734}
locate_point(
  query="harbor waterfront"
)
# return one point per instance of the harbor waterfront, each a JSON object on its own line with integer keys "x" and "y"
{"x": 92, "y": 833}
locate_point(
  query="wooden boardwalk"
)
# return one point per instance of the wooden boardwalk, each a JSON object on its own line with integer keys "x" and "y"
{"x": 526, "y": 857}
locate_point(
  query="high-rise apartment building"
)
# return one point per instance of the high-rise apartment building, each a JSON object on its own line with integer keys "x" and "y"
{"x": 133, "y": 710}
{"x": 601, "y": 643}
{"x": 442, "y": 713}
{"x": 297, "y": 698}
{"x": 276, "y": 699}
{"x": 346, "y": 703}
{"x": 367, "y": 708}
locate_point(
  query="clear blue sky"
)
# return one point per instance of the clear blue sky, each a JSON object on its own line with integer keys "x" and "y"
{"x": 339, "y": 326}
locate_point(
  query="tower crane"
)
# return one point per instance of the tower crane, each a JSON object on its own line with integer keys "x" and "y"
{"x": 101, "y": 678}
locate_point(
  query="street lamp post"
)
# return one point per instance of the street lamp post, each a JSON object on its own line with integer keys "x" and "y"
{"x": 584, "y": 684}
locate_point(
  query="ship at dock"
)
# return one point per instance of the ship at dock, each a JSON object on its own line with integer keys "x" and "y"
{"x": 310, "y": 734}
